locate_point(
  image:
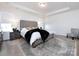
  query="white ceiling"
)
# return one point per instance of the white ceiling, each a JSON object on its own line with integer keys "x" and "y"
{"x": 51, "y": 8}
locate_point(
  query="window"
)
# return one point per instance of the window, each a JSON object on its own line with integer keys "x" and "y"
{"x": 6, "y": 27}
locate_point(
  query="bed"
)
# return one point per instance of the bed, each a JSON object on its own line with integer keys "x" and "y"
{"x": 32, "y": 34}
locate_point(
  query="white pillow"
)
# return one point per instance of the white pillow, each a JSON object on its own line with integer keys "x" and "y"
{"x": 23, "y": 32}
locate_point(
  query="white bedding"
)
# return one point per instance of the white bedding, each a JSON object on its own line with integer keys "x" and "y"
{"x": 34, "y": 36}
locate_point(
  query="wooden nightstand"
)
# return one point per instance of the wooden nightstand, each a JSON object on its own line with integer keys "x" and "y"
{"x": 14, "y": 35}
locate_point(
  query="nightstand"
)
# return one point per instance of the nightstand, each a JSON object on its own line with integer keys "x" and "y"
{"x": 14, "y": 35}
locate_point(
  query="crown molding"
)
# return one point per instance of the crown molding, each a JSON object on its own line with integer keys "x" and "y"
{"x": 25, "y": 8}
{"x": 36, "y": 12}
{"x": 58, "y": 11}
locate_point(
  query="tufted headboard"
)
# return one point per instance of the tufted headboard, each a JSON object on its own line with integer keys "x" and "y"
{"x": 30, "y": 24}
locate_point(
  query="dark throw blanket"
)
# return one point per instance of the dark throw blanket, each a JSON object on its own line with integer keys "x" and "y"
{"x": 44, "y": 34}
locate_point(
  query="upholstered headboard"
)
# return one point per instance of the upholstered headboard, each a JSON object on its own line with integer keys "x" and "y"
{"x": 25, "y": 24}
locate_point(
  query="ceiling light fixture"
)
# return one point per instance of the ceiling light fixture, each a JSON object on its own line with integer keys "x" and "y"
{"x": 43, "y": 4}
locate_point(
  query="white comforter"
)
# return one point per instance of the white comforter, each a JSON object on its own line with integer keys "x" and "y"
{"x": 34, "y": 36}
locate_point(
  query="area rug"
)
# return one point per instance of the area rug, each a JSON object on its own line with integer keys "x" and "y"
{"x": 53, "y": 47}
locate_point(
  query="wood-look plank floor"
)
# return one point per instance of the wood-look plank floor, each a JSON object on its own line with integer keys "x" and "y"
{"x": 56, "y": 46}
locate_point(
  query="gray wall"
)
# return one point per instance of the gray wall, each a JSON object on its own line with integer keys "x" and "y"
{"x": 13, "y": 15}
{"x": 63, "y": 22}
